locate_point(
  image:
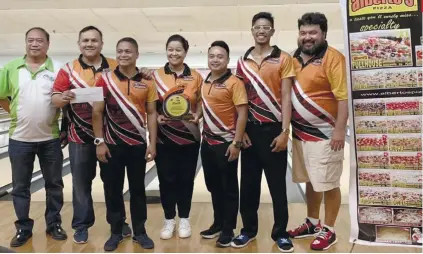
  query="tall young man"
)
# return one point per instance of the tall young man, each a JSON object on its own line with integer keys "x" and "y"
{"x": 320, "y": 113}
{"x": 267, "y": 73}
{"x": 129, "y": 102}
{"x": 34, "y": 131}
{"x": 225, "y": 113}
{"x": 81, "y": 73}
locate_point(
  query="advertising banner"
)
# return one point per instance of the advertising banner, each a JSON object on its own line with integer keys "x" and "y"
{"x": 383, "y": 48}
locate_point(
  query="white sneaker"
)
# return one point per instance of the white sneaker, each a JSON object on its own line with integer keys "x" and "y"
{"x": 168, "y": 229}
{"x": 184, "y": 229}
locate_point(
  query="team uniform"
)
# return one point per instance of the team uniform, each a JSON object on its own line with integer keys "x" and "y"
{"x": 82, "y": 151}
{"x": 178, "y": 142}
{"x": 263, "y": 83}
{"x": 125, "y": 136}
{"x": 320, "y": 84}
{"x": 220, "y": 99}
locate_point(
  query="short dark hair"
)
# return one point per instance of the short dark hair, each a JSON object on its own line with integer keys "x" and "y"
{"x": 130, "y": 40}
{"x": 181, "y": 39}
{"x": 88, "y": 28}
{"x": 221, "y": 44}
{"x": 263, "y": 15}
{"x": 314, "y": 18}
{"x": 40, "y": 29}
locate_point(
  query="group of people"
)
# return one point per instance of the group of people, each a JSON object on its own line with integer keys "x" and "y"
{"x": 248, "y": 112}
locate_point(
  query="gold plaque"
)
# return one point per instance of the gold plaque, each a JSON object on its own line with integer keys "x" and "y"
{"x": 176, "y": 106}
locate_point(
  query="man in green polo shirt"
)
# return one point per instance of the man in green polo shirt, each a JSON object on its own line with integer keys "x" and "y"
{"x": 34, "y": 130}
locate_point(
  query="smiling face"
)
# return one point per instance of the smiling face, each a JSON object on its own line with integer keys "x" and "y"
{"x": 36, "y": 44}
{"x": 218, "y": 59}
{"x": 175, "y": 53}
{"x": 262, "y": 31}
{"x": 310, "y": 39}
{"x": 126, "y": 54}
{"x": 90, "y": 43}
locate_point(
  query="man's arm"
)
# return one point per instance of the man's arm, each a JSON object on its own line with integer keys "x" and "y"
{"x": 98, "y": 114}
{"x": 61, "y": 95}
{"x": 5, "y": 104}
{"x": 338, "y": 135}
{"x": 241, "y": 122}
{"x": 152, "y": 130}
{"x": 286, "y": 102}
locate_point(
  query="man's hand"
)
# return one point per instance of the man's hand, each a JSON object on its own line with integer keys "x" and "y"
{"x": 196, "y": 118}
{"x": 161, "y": 119}
{"x": 67, "y": 96}
{"x": 102, "y": 150}
{"x": 280, "y": 143}
{"x": 146, "y": 73}
{"x": 246, "y": 142}
{"x": 232, "y": 152}
{"x": 338, "y": 139}
{"x": 150, "y": 153}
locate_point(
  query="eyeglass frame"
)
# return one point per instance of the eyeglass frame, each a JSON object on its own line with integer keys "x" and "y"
{"x": 261, "y": 27}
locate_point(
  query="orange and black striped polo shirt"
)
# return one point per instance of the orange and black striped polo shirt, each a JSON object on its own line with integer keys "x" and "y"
{"x": 126, "y": 101}
{"x": 220, "y": 99}
{"x": 188, "y": 83}
{"x": 75, "y": 75}
{"x": 263, "y": 83}
{"x": 320, "y": 83}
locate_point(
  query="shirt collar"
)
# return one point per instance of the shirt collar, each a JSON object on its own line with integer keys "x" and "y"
{"x": 104, "y": 63}
{"x": 121, "y": 76}
{"x": 47, "y": 65}
{"x": 186, "y": 72}
{"x": 220, "y": 80}
{"x": 276, "y": 52}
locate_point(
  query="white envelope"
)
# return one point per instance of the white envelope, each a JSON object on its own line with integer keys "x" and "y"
{"x": 87, "y": 94}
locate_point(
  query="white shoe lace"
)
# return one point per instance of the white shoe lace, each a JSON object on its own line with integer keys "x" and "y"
{"x": 184, "y": 225}
{"x": 323, "y": 235}
{"x": 169, "y": 225}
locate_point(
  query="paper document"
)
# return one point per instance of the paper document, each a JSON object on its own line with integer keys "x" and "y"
{"x": 87, "y": 94}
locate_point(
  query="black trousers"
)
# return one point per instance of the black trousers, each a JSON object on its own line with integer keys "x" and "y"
{"x": 221, "y": 179}
{"x": 113, "y": 174}
{"x": 254, "y": 159}
{"x": 176, "y": 168}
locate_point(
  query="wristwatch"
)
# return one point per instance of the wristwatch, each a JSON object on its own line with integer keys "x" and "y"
{"x": 285, "y": 131}
{"x": 98, "y": 141}
{"x": 237, "y": 144}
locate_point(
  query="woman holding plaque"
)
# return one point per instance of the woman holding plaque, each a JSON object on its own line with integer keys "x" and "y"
{"x": 178, "y": 140}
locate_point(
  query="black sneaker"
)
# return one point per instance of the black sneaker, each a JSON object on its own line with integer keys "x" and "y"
{"x": 285, "y": 245}
{"x": 57, "y": 232}
{"x": 225, "y": 239}
{"x": 126, "y": 230}
{"x": 113, "y": 242}
{"x": 213, "y": 232}
{"x": 21, "y": 237}
{"x": 241, "y": 241}
{"x": 144, "y": 241}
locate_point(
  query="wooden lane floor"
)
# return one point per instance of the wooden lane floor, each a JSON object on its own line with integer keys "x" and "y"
{"x": 201, "y": 218}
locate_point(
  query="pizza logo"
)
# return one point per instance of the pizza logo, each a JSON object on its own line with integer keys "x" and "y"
{"x": 139, "y": 85}
{"x": 188, "y": 78}
{"x": 357, "y": 5}
{"x": 317, "y": 62}
{"x": 220, "y": 86}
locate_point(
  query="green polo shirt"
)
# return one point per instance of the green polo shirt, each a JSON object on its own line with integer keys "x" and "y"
{"x": 33, "y": 116}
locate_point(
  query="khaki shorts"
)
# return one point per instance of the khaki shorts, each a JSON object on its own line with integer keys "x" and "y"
{"x": 315, "y": 162}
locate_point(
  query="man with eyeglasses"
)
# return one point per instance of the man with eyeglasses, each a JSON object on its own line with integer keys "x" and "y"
{"x": 267, "y": 73}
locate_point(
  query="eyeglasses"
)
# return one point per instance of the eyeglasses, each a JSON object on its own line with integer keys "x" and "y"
{"x": 265, "y": 28}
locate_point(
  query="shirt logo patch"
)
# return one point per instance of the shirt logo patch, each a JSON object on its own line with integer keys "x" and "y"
{"x": 139, "y": 85}
{"x": 220, "y": 86}
{"x": 188, "y": 78}
{"x": 105, "y": 70}
{"x": 273, "y": 60}
{"x": 317, "y": 62}
{"x": 48, "y": 77}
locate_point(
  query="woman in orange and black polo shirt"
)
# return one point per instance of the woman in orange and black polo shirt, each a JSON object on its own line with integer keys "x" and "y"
{"x": 178, "y": 141}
